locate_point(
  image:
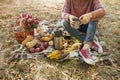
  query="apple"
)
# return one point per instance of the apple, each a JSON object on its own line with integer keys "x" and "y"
{"x": 32, "y": 50}
{"x": 45, "y": 44}
{"x": 42, "y": 47}
{"x": 38, "y": 49}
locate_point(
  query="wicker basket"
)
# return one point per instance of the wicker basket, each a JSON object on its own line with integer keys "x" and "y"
{"x": 21, "y": 35}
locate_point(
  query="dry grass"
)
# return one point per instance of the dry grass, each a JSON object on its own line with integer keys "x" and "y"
{"x": 44, "y": 69}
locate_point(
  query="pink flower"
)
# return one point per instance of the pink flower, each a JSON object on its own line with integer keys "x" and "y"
{"x": 29, "y": 16}
{"x": 28, "y": 21}
{"x": 23, "y": 15}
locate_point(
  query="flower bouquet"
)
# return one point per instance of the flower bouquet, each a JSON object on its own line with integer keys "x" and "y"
{"x": 24, "y": 26}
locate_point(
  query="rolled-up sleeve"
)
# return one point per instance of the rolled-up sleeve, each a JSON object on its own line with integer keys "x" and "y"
{"x": 98, "y": 11}
{"x": 66, "y": 10}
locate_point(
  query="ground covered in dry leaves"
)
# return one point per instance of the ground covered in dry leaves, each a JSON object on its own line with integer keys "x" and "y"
{"x": 44, "y": 69}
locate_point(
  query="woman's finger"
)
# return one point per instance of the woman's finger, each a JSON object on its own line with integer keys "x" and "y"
{"x": 81, "y": 17}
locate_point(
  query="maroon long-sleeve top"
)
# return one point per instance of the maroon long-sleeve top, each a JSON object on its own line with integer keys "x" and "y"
{"x": 80, "y": 7}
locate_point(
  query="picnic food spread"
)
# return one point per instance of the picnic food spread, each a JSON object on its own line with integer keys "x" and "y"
{"x": 46, "y": 37}
{"x": 40, "y": 37}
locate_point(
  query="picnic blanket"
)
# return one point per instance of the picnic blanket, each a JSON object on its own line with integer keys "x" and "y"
{"x": 23, "y": 53}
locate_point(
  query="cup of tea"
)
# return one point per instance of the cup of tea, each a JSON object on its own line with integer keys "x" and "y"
{"x": 78, "y": 23}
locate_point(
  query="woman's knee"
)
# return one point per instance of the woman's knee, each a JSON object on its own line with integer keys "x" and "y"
{"x": 92, "y": 24}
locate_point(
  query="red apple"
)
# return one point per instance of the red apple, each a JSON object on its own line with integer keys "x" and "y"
{"x": 42, "y": 47}
{"x": 45, "y": 44}
{"x": 38, "y": 49}
{"x": 32, "y": 50}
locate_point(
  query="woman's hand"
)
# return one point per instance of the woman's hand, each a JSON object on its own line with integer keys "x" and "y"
{"x": 86, "y": 18}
